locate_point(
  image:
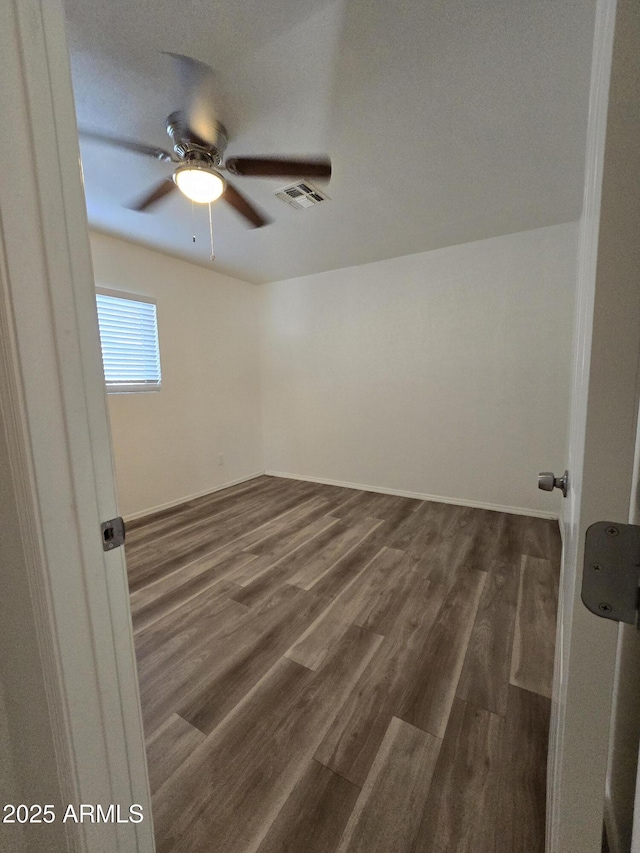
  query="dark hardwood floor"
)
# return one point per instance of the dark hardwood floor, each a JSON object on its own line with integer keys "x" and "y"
{"x": 325, "y": 670}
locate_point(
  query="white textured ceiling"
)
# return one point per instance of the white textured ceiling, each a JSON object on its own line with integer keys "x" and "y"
{"x": 446, "y": 122}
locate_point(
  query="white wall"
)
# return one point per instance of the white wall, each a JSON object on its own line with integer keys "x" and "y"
{"x": 443, "y": 373}
{"x": 166, "y": 444}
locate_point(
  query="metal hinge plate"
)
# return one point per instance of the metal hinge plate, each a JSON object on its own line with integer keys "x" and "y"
{"x": 612, "y": 571}
{"x": 112, "y": 532}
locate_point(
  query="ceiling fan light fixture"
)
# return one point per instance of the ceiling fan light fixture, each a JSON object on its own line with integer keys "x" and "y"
{"x": 200, "y": 183}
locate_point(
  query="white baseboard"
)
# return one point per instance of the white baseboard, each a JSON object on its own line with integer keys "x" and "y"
{"x": 514, "y": 510}
{"x": 178, "y": 501}
{"x": 359, "y": 486}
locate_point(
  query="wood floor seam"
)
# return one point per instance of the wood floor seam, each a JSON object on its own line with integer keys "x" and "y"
{"x": 426, "y": 731}
{"x": 335, "y": 773}
{"x": 346, "y": 553}
{"x": 177, "y": 607}
{"x": 478, "y": 707}
{"x": 330, "y": 522}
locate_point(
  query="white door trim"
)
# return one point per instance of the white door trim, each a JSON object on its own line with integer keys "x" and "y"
{"x": 635, "y": 841}
{"x": 54, "y": 412}
{"x": 603, "y": 428}
{"x": 587, "y": 261}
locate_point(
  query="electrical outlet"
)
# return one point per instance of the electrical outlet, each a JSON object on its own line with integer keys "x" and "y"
{"x": 220, "y": 458}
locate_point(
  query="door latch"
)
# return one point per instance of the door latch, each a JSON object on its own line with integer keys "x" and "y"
{"x": 612, "y": 571}
{"x": 112, "y": 532}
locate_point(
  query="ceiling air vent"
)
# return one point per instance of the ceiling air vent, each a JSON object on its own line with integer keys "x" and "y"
{"x": 301, "y": 195}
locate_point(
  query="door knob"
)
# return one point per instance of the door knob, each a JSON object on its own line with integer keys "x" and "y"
{"x": 548, "y": 482}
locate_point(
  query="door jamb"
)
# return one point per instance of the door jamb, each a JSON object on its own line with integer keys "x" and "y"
{"x": 56, "y": 425}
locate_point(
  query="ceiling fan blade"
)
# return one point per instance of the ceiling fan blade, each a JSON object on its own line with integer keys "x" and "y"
{"x": 244, "y": 207}
{"x": 128, "y": 145}
{"x": 279, "y": 167}
{"x": 154, "y": 196}
{"x": 198, "y": 80}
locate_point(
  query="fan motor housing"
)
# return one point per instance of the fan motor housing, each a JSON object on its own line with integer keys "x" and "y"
{"x": 188, "y": 146}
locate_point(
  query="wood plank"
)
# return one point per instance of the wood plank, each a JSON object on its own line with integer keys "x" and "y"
{"x": 353, "y": 740}
{"x": 535, "y": 629}
{"x": 396, "y": 513}
{"x": 523, "y": 774}
{"x": 250, "y": 765}
{"x": 314, "y": 816}
{"x": 223, "y": 561}
{"x": 462, "y": 808}
{"x": 542, "y": 540}
{"x": 447, "y": 539}
{"x": 325, "y": 553}
{"x": 269, "y": 577}
{"x": 393, "y": 508}
{"x": 359, "y": 506}
{"x": 203, "y": 540}
{"x": 436, "y": 677}
{"x": 497, "y": 538}
{"x": 406, "y": 528}
{"x": 335, "y": 495}
{"x": 348, "y": 499}
{"x": 484, "y": 680}
{"x": 382, "y": 608}
{"x": 387, "y": 814}
{"x": 273, "y": 598}
{"x": 294, "y": 522}
{"x": 393, "y": 622}
{"x": 167, "y": 675}
{"x": 352, "y": 606}
{"x": 315, "y": 569}
{"x": 285, "y": 544}
{"x": 168, "y": 748}
{"x": 206, "y": 579}
{"x": 240, "y": 658}
{"x": 191, "y": 619}
{"x": 182, "y": 805}
{"x": 148, "y": 525}
{"x": 435, "y": 519}
{"x": 217, "y": 511}
{"x": 243, "y": 654}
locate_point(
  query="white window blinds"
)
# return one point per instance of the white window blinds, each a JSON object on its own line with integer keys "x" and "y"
{"x": 129, "y": 340}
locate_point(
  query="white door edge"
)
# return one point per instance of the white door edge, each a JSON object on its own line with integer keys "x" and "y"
{"x": 635, "y": 842}
{"x": 55, "y": 408}
{"x": 624, "y": 721}
{"x": 587, "y": 264}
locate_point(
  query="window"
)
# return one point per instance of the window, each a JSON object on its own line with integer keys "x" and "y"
{"x": 129, "y": 340}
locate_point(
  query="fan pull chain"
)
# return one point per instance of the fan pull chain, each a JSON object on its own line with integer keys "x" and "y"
{"x": 193, "y": 221}
{"x": 213, "y": 255}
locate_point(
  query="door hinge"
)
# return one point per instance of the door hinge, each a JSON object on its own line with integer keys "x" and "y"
{"x": 612, "y": 571}
{"x": 112, "y": 533}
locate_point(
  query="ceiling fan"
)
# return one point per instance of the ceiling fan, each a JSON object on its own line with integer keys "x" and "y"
{"x": 199, "y": 142}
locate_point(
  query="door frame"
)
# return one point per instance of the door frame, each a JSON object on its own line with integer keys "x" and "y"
{"x": 602, "y": 439}
{"x": 585, "y": 294}
{"x": 55, "y": 424}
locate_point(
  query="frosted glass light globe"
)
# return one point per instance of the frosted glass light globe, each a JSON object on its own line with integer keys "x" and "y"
{"x": 199, "y": 183}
